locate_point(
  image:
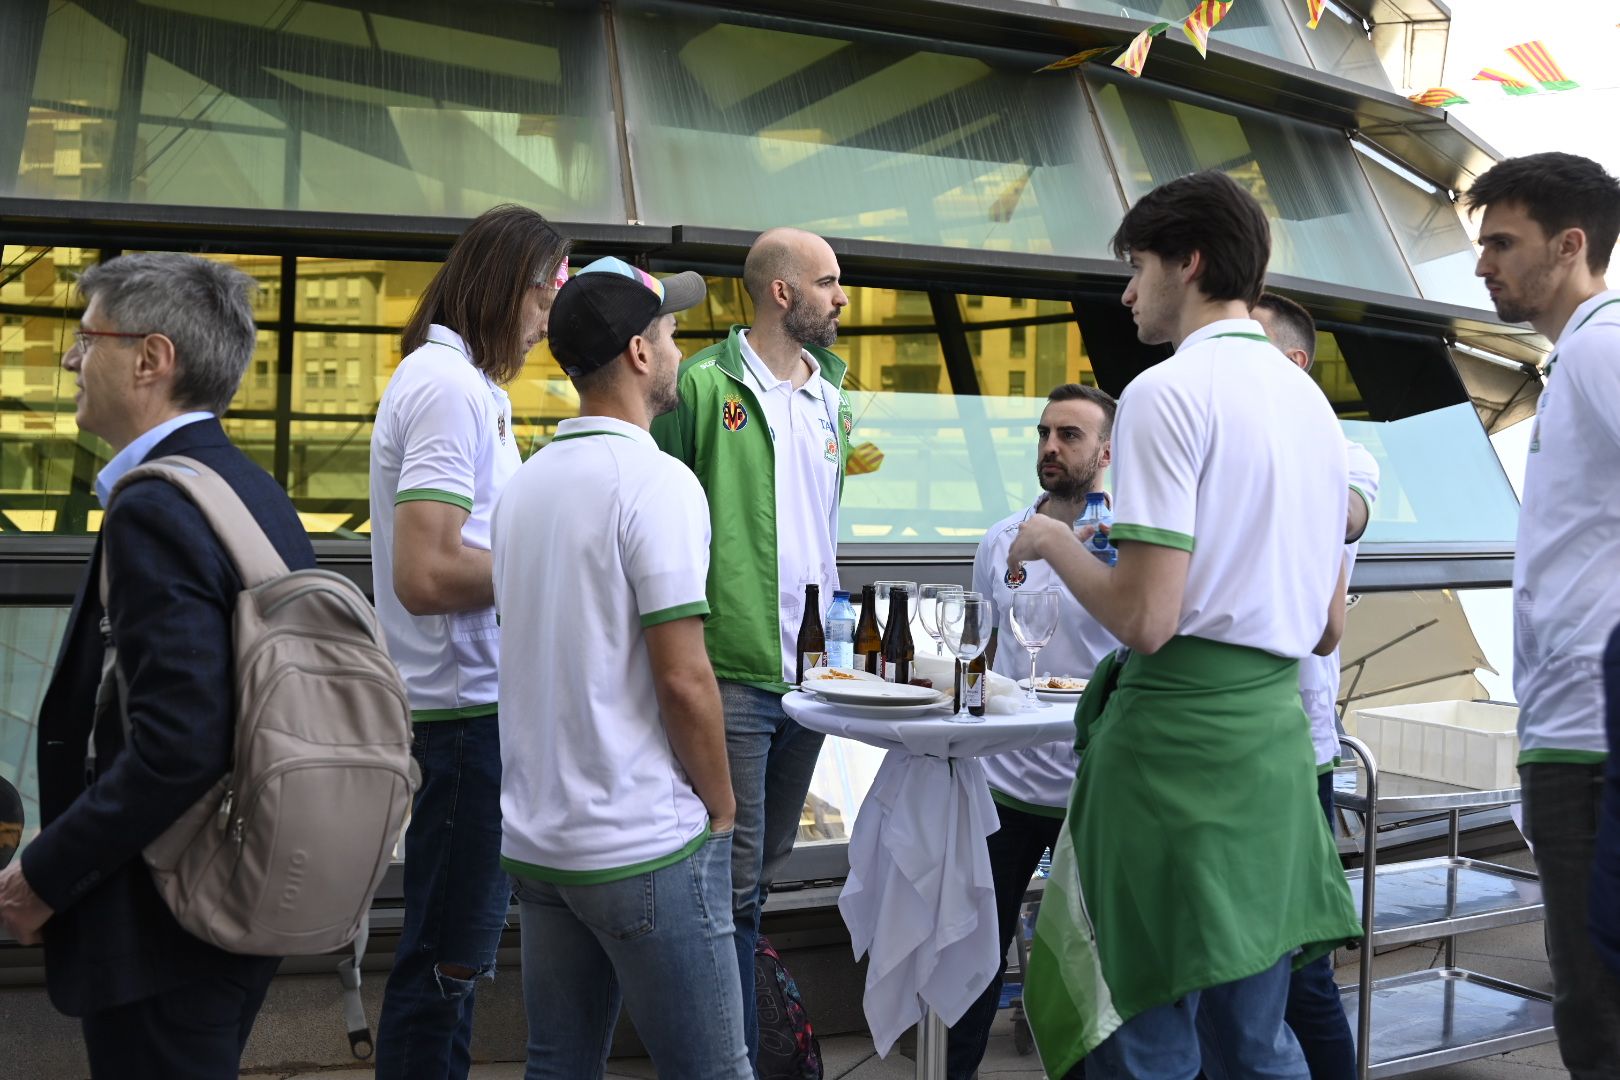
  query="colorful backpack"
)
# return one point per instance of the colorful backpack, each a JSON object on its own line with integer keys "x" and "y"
{"x": 788, "y": 1049}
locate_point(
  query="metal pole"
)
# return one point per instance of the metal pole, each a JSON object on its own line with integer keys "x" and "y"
{"x": 1369, "y": 877}
{"x": 931, "y": 1038}
{"x": 1454, "y": 849}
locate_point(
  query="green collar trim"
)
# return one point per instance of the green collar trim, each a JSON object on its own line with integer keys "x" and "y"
{"x": 586, "y": 434}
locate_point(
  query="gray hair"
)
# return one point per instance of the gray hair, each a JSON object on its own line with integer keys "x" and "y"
{"x": 204, "y": 307}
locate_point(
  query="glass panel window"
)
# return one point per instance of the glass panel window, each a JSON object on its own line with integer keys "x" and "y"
{"x": 1431, "y": 235}
{"x": 29, "y": 640}
{"x": 1256, "y": 25}
{"x": 1339, "y": 45}
{"x": 755, "y": 121}
{"x": 441, "y": 110}
{"x": 1325, "y": 223}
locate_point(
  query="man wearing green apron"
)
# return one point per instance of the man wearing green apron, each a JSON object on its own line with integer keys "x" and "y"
{"x": 1192, "y": 873}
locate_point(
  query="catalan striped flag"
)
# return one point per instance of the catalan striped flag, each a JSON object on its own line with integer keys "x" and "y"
{"x": 1541, "y": 66}
{"x": 1438, "y": 98}
{"x": 1313, "y": 11}
{"x": 1077, "y": 59}
{"x": 1516, "y": 87}
{"x": 1136, "y": 53}
{"x": 1202, "y": 20}
{"x": 863, "y": 459}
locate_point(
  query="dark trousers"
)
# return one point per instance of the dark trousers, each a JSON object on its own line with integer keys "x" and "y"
{"x": 1560, "y": 820}
{"x": 1015, "y": 851}
{"x": 193, "y": 1032}
{"x": 1315, "y": 1013}
{"x": 456, "y": 899}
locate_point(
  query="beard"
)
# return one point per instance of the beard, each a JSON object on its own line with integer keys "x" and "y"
{"x": 1530, "y": 298}
{"x": 808, "y": 328}
{"x": 666, "y": 397}
{"x": 1071, "y": 485}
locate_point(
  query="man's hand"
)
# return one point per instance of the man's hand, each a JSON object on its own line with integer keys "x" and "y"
{"x": 1035, "y": 539}
{"x": 22, "y": 912}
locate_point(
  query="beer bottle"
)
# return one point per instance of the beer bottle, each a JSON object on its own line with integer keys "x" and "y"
{"x": 990, "y": 649}
{"x": 897, "y": 647}
{"x": 812, "y": 647}
{"x": 868, "y": 645}
{"x": 977, "y": 678}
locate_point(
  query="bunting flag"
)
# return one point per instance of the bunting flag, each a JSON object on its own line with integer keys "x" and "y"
{"x": 1313, "y": 11}
{"x": 1516, "y": 87}
{"x": 1077, "y": 59}
{"x": 1136, "y": 53}
{"x": 1202, "y": 20}
{"x": 863, "y": 459}
{"x": 1541, "y": 66}
{"x": 1438, "y": 98}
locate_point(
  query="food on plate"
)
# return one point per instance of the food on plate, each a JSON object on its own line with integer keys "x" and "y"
{"x": 1059, "y": 682}
{"x": 829, "y": 673}
{"x": 920, "y": 681}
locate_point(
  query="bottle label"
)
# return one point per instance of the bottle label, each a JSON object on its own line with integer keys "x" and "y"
{"x": 886, "y": 670}
{"x": 812, "y": 660}
{"x": 973, "y": 689}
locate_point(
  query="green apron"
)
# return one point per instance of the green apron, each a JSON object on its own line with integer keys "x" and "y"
{"x": 1195, "y": 852}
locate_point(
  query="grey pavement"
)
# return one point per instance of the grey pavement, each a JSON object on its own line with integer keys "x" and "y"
{"x": 1514, "y": 953}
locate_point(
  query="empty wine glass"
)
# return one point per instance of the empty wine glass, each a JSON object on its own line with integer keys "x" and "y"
{"x": 928, "y": 600}
{"x": 1034, "y": 621}
{"x": 883, "y": 587}
{"x": 965, "y": 619}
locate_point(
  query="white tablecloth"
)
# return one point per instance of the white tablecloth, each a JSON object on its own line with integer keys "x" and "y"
{"x": 919, "y": 898}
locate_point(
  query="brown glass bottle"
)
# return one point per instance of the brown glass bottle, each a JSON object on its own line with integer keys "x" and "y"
{"x": 976, "y": 683}
{"x": 897, "y": 646}
{"x": 868, "y": 642}
{"x": 812, "y": 647}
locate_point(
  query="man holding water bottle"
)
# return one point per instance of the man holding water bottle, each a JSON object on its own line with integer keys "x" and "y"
{"x": 1031, "y": 787}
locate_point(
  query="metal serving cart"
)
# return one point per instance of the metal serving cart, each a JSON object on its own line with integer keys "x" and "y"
{"x": 1445, "y": 1014}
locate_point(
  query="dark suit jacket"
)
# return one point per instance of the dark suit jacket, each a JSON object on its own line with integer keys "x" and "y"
{"x": 112, "y": 940}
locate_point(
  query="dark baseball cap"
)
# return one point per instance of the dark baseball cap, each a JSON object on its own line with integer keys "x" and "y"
{"x": 609, "y": 302}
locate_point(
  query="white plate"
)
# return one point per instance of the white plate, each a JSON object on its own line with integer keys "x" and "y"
{"x": 891, "y": 712}
{"x": 817, "y": 676}
{"x": 1023, "y": 684}
{"x": 883, "y": 695}
{"x": 1059, "y": 696}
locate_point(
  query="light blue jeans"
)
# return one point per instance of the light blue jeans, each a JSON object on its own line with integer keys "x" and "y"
{"x": 772, "y": 760}
{"x": 659, "y": 943}
{"x": 1235, "y": 1031}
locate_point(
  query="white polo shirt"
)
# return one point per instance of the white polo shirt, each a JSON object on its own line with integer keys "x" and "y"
{"x": 443, "y": 434}
{"x": 1036, "y": 780}
{"x": 599, "y": 536}
{"x": 1230, "y": 452}
{"x": 803, "y": 427}
{"x": 1566, "y": 570}
{"x": 1319, "y": 675}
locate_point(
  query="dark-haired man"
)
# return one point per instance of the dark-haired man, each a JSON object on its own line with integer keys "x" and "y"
{"x": 1549, "y": 224}
{"x": 1192, "y": 869}
{"x": 1031, "y": 787}
{"x": 1315, "y": 1011}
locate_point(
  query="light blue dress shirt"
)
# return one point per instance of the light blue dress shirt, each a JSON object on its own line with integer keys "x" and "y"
{"x": 135, "y": 453}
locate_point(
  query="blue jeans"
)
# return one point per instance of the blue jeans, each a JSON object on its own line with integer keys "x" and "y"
{"x": 1235, "y": 1031}
{"x": 658, "y": 942}
{"x": 1015, "y": 852}
{"x": 772, "y": 759}
{"x": 1315, "y": 1012}
{"x": 456, "y": 896}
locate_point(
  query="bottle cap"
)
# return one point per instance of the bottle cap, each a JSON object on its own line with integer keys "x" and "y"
{"x": 840, "y": 595}
{"x": 1094, "y": 497}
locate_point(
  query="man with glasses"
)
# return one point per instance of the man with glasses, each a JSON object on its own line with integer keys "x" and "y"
{"x": 161, "y": 348}
{"x": 1031, "y": 787}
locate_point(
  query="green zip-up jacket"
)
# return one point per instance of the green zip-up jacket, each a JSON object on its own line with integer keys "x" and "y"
{"x": 719, "y": 430}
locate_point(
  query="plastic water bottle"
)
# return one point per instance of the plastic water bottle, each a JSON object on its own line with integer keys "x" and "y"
{"x": 1096, "y": 514}
{"x": 841, "y": 632}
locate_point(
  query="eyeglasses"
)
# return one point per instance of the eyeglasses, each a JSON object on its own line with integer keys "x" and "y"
{"x": 81, "y": 344}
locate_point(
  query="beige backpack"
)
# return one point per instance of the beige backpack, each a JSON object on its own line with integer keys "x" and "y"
{"x": 283, "y": 855}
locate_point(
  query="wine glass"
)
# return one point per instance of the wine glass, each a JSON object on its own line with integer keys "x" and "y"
{"x": 909, "y": 588}
{"x": 1034, "y": 621}
{"x": 965, "y": 621}
{"x": 928, "y": 600}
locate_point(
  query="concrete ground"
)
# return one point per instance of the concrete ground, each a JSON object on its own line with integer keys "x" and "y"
{"x": 1514, "y": 953}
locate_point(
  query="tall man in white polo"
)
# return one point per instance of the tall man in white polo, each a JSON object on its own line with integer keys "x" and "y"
{"x": 1031, "y": 787}
{"x": 616, "y": 802}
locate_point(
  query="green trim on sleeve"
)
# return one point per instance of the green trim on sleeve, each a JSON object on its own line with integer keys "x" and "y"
{"x": 1554, "y": 756}
{"x": 670, "y": 614}
{"x": 434, "y": 495}
{"x": 465, "y": 712}
{"x": 1327, "y": 767}
{"x": 1035, "y": 809}
{"x": 1147, "y": 534}
{"x": 1365, "y": 498}
{"x": 598, "y": 877}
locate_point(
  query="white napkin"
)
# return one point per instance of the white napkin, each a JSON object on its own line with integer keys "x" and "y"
{"x": 1003, "y": 694}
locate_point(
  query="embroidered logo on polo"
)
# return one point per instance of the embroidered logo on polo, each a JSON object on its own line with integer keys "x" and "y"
{"x": 831, "y": 449}
{"x": 500, "y": 428}
{"x": 734, "y": 414}
{"x": 1014, "y": 578}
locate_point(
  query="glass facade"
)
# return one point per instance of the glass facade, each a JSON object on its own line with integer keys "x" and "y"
{"x": 1258, "y": 25}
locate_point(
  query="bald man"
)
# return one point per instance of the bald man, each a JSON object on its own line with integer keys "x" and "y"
{"x": 764, "y": 424}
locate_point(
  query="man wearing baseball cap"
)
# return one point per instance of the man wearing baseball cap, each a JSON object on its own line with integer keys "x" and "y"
{"x": 616, "y": 800}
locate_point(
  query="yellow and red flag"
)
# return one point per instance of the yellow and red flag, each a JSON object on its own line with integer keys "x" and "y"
{"x": 863, "y": 459}
{"x": 1136, "y": 53}
{"x": 1541, "y": 66}
{"x": 1202, "y": 20}
{"x": 1516, "y": 87}
{"x": 1438, "y": 97}
{"x": 1077, "y": 59}
{"x": 1313, "y": 12}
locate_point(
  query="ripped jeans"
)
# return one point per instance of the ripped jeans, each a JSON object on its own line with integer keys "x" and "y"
{"x": 456, "y": 898}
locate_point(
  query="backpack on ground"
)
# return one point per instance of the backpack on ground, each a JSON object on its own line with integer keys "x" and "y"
{"x": 788, "y": 1048}
{"x": 282, "y": 856}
